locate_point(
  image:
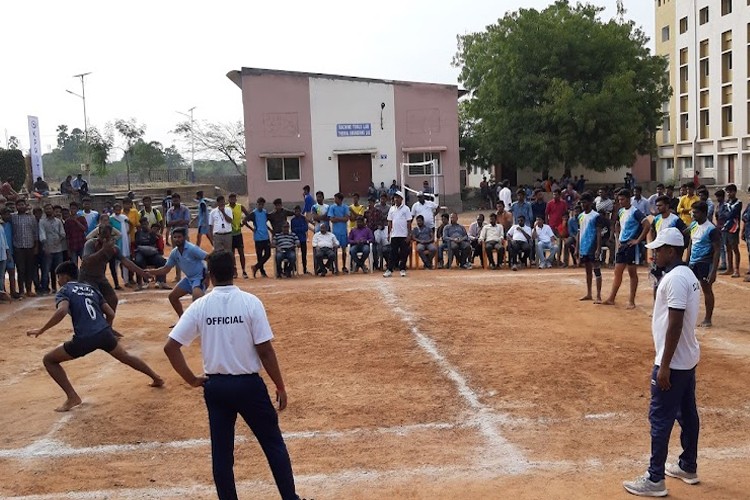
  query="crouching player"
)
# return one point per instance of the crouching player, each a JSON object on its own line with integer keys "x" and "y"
{"x": 92, "y": 329}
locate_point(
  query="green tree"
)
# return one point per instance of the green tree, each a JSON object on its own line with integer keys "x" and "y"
{"x": 560, "y": 86}
{"x": 214, "y": 141}
{"x": 172, "y": 158}
{"x": 13, "y": 167}
{"x": 146, "y": 156}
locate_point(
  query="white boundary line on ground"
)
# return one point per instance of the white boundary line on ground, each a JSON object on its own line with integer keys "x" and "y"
{"x": 49, "y": 448}
{"x": 502, "y": 454}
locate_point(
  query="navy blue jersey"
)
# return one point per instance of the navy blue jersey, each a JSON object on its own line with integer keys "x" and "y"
{"x": 85, "y": 307}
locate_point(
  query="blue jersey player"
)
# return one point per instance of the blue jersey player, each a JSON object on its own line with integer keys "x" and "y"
{"x": 92, "y": 329}
{"x": 589, "y": 245}
{"x": 633, "y": 227}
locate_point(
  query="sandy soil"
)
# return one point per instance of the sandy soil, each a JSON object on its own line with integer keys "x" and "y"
{"x": 447, "y": 384}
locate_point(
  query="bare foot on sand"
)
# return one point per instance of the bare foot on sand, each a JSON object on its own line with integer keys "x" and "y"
{"x": 608, "y": 302}
{"x": 705, "y": 324}
{"x": 630, "y": 306}
{"x": 598, "y": 300}
{"x": 585, "y": 297}
{"x": 68, "y": 404}
{"x": 158, "y": 382}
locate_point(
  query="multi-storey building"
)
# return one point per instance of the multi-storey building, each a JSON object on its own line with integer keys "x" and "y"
{"x": 707, "y": 120}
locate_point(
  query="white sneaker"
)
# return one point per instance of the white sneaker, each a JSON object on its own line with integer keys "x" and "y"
{"x": 643, "y": 487}
{"x": 403, "y": 274}
{"x": 387, "y": 274}
{"x": 674, "y": 470}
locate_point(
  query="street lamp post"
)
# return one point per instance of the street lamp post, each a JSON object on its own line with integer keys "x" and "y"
{"x": 192, "y": 143}
{"x": 82, "y": 96}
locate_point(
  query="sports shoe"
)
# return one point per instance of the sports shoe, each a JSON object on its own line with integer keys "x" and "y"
{"x": 403, "y": 274}
{"x": 674, "y": 470}
{"x": 387, "y": 274}
{"x": 643, "y": 486}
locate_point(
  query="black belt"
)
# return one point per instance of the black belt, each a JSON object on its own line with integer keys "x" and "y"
{"x": 219, "y": 375}
{"x": 222, "y": 234}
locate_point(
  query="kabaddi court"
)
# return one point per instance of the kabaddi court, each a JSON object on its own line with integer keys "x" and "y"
{"x": 446, "y": 384}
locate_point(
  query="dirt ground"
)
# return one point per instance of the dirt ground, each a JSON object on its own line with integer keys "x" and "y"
{"x": 446, "y": 384}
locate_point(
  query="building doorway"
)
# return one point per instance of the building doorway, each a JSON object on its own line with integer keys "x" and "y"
{"x": 730, "y": 169}
{"x": 355, "y": 173}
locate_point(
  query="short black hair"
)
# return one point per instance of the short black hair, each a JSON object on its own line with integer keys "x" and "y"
{"x": 720, "y": 193}
{"x": 306, "y": 188}
{"x": 700, "y": 206}
{"x": 175, "y": 195}
{"x": 260, "y": 200}
{"x": 277, "y": 201}
{"x": 67, "y": 268}
{"x": 146, "y": 198}
{"x": 199, "y": 194}
{"x": 180, "y": 230}
{"x": 418, "y": 217}
{"x": 297, "y": 207}
{"x": 731, "y": 187}
{"x": 660, "y": 185}
{"x": 221, "y": 266}
{"x": 220, "y": 198}
{"x": 339, "y": 196}
{"x": 663, "y": 199}
{"x": 320, "y": 193}
{"x": 587, "y": 196}
{"x": 625, "y": 193}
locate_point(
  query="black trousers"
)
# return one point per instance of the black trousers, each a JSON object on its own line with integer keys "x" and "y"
{"x": 246, "y": 395}
{"x": 303, "y": 250}
{"x": 263, "y": 251}
{"x": 399, "y": 253}
{"x": 25, "y": 267}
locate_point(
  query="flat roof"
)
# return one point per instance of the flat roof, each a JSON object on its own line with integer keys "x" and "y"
{"x": 236, "y": 77}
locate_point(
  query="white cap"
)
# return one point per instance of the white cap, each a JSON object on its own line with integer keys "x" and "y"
{"x": 398, "y": 193}
{"x": 668, "y": 236}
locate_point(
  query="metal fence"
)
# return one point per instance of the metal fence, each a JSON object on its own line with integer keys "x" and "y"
{"x": 171, "y": 176}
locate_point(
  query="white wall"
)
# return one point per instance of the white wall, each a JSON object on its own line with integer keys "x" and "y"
{"x": 342, "y": 101}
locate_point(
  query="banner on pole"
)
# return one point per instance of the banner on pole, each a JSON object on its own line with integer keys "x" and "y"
{"x": 35, "y": 149}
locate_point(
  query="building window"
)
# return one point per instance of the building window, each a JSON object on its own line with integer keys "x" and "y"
{"x": 726, "y": 7}
{"x": 668, "y": 163}
{"x": 665, "y": 34}
{"x": 687, "y": 164}
{"x": 703, "y": 15}
{"x": 417, "y": 170}
{"x": 683, "y": 25}
{"x": 283, "y": 169}
{"x": 708, "y": 162}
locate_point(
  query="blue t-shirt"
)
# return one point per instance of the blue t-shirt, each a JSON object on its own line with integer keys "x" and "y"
{"x": 573, "y": 226}
{"x": 670, "y": 221}
{"x": 202, "y": 213}
{"x": 85, "y": 308}
{"x": 338, "y": 211}
{"x": 190, "y": 260}
{"x": 309, "y": 202}
{"x": 703, "y": 237}
{"x": 630, "y": 223}
{"x": 588, "y": 224}
{"x": 299, "y": 227}
{"x": 260, "y": 218}
{"x": 92, "y": 219}
{"x": 8, "y": 227}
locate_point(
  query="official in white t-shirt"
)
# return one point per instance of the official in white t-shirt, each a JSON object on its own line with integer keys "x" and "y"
{"x": 220, "y": 225}
{"x": 399, "y": 226}
{"x": 235, "y": 343}
{"x": 673, "y": 376}
{"x": 425, "y": 208}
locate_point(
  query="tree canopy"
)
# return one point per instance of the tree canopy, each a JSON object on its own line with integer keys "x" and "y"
{"x": 225, "y": 141}
{"x": 560, "y": 86}
{"x": 13, "y": 167}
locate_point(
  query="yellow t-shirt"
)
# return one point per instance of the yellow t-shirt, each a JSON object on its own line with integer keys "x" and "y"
{"x": 685, "y": 206}
{"x": 236, "y": 218}
{"x": 135, "y": 222}
{"x": 357, "y": 211}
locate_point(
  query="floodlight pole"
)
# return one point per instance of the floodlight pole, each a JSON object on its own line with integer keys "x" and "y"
{"x": 85, "y": 120}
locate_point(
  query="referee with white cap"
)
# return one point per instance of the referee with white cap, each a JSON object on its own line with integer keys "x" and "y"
{"x": 673, "y": 375}
{"x": 235, "y": 341}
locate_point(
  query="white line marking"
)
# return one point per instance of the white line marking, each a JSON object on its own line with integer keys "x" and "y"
{"x": 49, "y": 448}
{"x": 502, "y": 453}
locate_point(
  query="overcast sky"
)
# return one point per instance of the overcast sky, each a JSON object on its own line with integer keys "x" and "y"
{"x": 150, "y": 59}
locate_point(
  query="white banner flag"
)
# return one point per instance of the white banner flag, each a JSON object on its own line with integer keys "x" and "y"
{"x": 35, "y": 149}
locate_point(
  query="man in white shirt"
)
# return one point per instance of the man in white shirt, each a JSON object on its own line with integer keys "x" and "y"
{"x": 492, "y": 236}
{"x": 324, "y": 245}
{"x": 504, "y": 194}
{"x": 235, "y": 341}
{"x": 399, "y": 227}
{"x": 673, "y": 376}
{"x": 545, "y": 242}
{"x": 220, "y": 225}
{"x": 520, "y": 243}
{"x": 425, "y": 208}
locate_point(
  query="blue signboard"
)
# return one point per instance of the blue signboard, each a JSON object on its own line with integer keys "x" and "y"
{"x": 353, "y": 129}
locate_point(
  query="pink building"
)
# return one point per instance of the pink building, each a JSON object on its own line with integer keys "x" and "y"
{"x": 339, "y": 133}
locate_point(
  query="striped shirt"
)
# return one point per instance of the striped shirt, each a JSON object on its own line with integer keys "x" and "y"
{"x": 25, "y": 230}
{"x": 285, "y": 241}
